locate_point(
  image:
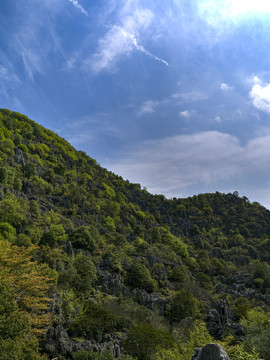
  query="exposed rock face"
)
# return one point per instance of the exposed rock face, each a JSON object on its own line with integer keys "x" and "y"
{"x": 241, "y": 284}
{"x": 221, "y": 319}
{"x": 153, "y": 302}
{"x": 211, "y": 352}
{"x": 111, "y": 283}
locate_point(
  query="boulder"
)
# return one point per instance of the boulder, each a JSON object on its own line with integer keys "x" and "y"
{"x": 211, "y": 352}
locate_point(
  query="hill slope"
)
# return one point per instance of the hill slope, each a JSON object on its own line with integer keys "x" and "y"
{"x": 126, "y": 261}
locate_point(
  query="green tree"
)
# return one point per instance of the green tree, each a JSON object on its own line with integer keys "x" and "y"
{"x": 183, "y": 304}
{"x": 257, "y": 332}
{"x": 85, "y": 273}
{"x": 85, "y": 237}
{"x": 144, "y": 341}
{"x": 196, "y": 336}
{"x": 139, "y": 277}
{"x": 54, "y": 236}
{"x": 13, "y": 210}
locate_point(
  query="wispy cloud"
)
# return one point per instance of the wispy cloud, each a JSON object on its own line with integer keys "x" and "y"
{"x": 6, "y": 75}
{"x": 78, "y": 6}
{"x": 121, "y": 40}
{"x": 148, "y": 107}
{"x": 190, "y": 96}
{"x": 225, "y": 87}
{"x": 260, "y": 95}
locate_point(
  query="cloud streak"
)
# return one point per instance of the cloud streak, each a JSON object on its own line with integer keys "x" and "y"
{"x": 78, "y": 6}
{"x": 140, "y": 47}
{"x": 122, "y": 39}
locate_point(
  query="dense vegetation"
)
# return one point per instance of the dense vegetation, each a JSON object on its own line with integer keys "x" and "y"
{"x": 97, "y": 262}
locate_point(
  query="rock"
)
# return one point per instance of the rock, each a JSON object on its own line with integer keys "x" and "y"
{"x": 111, "y": 283}
{"x": 153, "y": 302}
{"x": 222, "y": 319}
{"x": 241, "y": 284}
{"x": 211, "y": 352}
{"x": 19, "y": 157}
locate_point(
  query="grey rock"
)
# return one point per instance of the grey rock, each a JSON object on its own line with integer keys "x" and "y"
{"x": 211, "y": 352}
{"x": 241, "y": 284}
{"x": 112, "y": 284}
{"x": 19, "y": 156}
{"x": 153, "y": 302}
{"x": 221, "y": 319}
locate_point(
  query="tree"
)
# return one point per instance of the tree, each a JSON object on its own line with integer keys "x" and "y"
{"x": 16, "y": 340}
{"x": 30, "y": 282}
{"x": 139, "y": 277}
{"x": 23, "y": 302}
{"x": 196, "y": 336}
{"x": 13, "y": 210}
{"x": 256, "y": 327}
{"x": 144, "y": 340}
{"x": 85, "y": 237}
{"x": 85, "y": 273}
{"x": 183, "y": 304}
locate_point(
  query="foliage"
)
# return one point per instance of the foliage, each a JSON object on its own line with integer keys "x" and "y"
{"x": 183, "y": 304}
{"x": 256, "y": 326}
{"x": 195, "y": 337}
{"x": 23, "y": 288}
{"x": 144, "y": 340}
{"x": 93, "y": 319}
{"x": 140, "y": 277}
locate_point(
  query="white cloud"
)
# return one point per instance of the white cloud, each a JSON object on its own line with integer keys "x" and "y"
{"x": 225, "y": 87}
{"x": 175, "y": 165}
{"x": 260, "y": 95}
{"x": 187, "y": 113}
{"x": 78, "y": 6}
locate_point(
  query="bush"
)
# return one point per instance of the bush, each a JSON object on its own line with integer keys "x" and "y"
{"x": 241, "y": 307}
{"x": 139, "y": 277}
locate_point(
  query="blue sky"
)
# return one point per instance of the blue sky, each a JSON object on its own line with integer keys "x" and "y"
{"x": 174, "y": 95}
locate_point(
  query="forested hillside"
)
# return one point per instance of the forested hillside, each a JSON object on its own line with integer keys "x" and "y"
{"x": 94, "y": 267}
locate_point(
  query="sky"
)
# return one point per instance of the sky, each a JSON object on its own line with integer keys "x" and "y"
{"x": 174, "y": 95}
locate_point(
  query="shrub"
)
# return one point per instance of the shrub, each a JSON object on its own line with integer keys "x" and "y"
{"x": 139, "y": 277}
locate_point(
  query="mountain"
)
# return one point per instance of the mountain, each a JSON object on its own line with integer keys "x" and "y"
{"x": 96, "y": 267}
